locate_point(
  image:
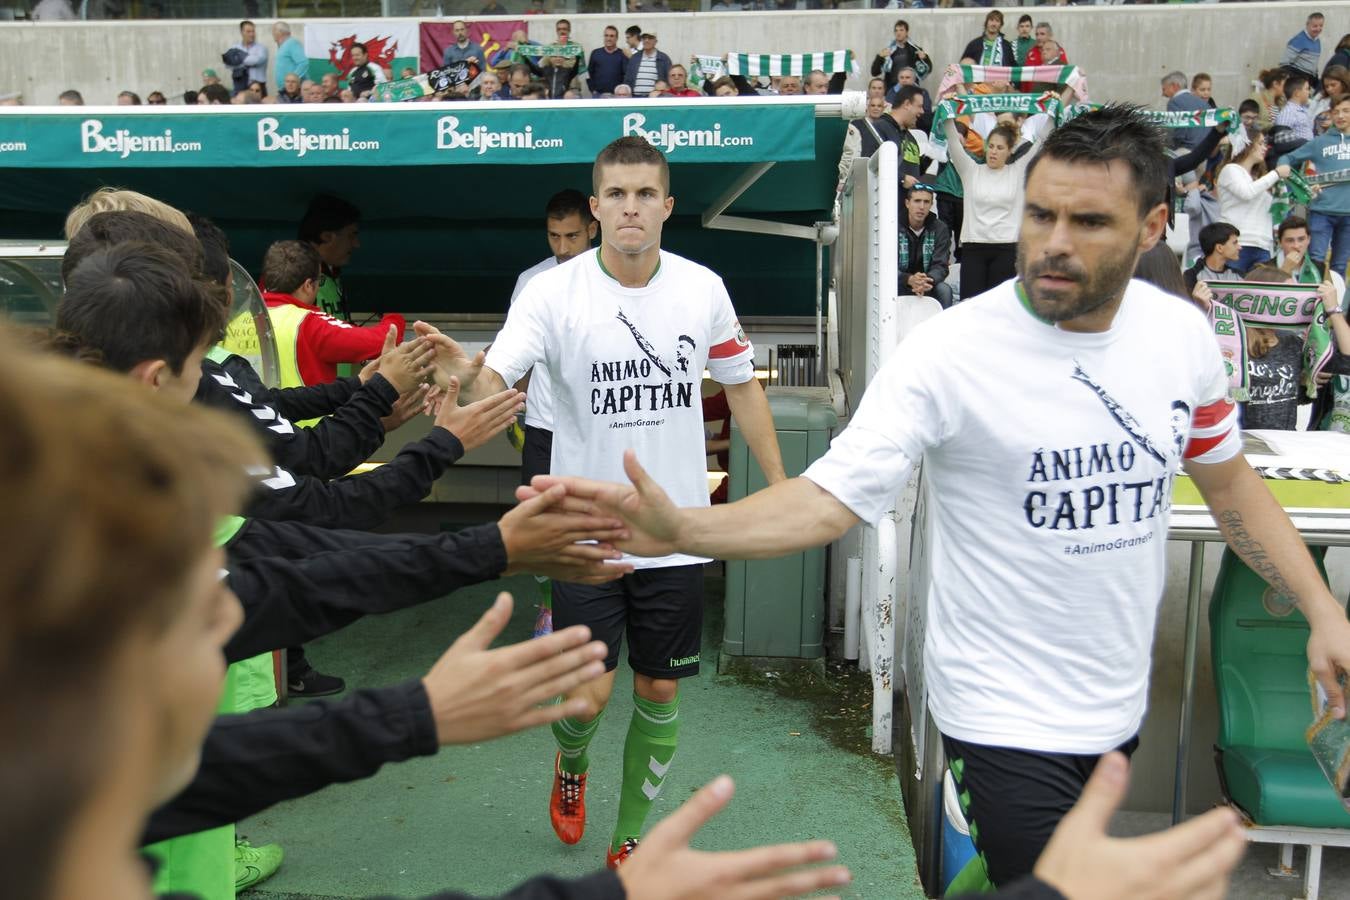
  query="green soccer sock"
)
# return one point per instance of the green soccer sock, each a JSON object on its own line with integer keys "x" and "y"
{"x": 573, "y": 738}
{"x": 647, "y": 754}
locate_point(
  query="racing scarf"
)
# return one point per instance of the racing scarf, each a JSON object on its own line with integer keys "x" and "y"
{"x": 970, "y": 104}
{"x": 1200, "y": 118}
{"x": 1066, "y": 76}
{"x": 1281, "y": 306}
{"x": 538, "y": 50}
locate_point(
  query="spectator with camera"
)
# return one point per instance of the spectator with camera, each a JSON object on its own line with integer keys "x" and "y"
{"x": 558, "y": 72}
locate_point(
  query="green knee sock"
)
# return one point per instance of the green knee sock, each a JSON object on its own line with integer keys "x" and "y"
{"x": 573, "y": 738}
{"x": 647, "y": 755}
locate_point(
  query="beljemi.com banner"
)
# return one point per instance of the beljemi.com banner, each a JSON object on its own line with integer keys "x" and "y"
{"x": 403, "y": 136}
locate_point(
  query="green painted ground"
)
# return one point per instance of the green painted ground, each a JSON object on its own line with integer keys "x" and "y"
{"x": 475, "y": 818}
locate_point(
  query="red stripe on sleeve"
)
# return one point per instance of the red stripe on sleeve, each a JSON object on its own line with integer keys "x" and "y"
{"x": 1212, "y": 414}
{"x": 1199, "y": 446}
{"x": 728, "y": 349}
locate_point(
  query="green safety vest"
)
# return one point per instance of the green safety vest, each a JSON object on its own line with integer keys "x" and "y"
{"x": 202, "y": 864}
{"x": 286, "y": 321}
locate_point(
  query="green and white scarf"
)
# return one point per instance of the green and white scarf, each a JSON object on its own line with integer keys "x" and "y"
{"x": 538, "y": 50}
{"x": 992, "y": 52}
{"x": 773, "y": 65}
{"x": 706, "y": 68}
{"x": 1200, "y": 118}
{"x": 1287, "y": 307}
{"x": 1065, "y": 76}
{"x": 971, "y": 104}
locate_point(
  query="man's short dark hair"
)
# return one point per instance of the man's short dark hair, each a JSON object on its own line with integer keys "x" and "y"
{"x": 289, "y": 264}
{"x": 215, "y": 248}
{"x": 1198, "y": 78}
{"x": 1343, "y": 98}
{"x": 610, "y": 28}
{"x": 362, "y": 47}
{"x": 215, "y": 93}
{"x": 630, "y": 151}
{"x": 533, "y": 89}
{"x": 1248, "y": 106}
{"x": 326, "y": 213}
{"x": 1291, "y": 223}
{"x": 1293, "y": 83}
{"x": 72, "y": 95}
{"x": 1117, "y": 132}
{"x": 107, "y": 229}
{"x": 562, "y": 22}
{"x": 246, "y": 22}
{"x": 569, "y": 201}
{"x": 1315, "y": 15}
{"x": 1025, "y": 18}
{"x": 907, "y": 93}
{"x": 136, "y": 301}
{"x": 899, "y": 23}
{"x": 135, "y": 97}
{"x": 1214, "y": 234}
{"x": 632, "y": 31}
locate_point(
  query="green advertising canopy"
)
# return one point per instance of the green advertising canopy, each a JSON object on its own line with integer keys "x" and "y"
{"x": 452, "y": 194}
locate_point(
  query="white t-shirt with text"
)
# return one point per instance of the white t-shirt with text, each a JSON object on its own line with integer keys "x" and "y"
{"x": 625, "y": 366}
{"x": 1049, "y": 458}
{"x": 539, "y": 396}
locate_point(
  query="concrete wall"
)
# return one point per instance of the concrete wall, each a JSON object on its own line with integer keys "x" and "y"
{"x": 1125, "y": 50}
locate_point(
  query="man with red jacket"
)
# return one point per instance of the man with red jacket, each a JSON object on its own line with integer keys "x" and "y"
{"x": 311, "y": 343}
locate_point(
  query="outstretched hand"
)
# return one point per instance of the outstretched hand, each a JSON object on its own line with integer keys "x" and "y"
{"x": 478, "y": 694}
{"x": 542, "y": 536}
{"x": 1192, "y": 861}
{"x": 406, "y": 365}
{"x": 651, "y": 518}
{"x": 451, "y": 359}
{"x": 479, "y": 421}
{"x": 665, "y": 867}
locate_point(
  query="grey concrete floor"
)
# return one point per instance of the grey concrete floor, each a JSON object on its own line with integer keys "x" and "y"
{"x": 1252, "y": 881}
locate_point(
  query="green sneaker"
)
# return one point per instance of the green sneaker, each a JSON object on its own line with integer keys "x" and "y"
{"x": 254, "y": 865}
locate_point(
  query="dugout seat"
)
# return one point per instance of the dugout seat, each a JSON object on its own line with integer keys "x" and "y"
{"x": 1265, "y": 766}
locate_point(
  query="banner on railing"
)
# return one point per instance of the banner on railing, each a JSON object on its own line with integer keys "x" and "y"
{"x": 404, "y": 135}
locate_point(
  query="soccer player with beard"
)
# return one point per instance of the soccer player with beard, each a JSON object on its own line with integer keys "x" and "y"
{"x": 1051, "y": 414}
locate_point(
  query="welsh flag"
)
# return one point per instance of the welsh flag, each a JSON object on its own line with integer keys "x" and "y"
{"x": 390, "y": 45}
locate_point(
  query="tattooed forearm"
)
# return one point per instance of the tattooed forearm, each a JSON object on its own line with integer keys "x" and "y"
{"x": 1253, "y": 553}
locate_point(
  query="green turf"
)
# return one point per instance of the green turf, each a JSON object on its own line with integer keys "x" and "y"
{"x": 475, "y": 818}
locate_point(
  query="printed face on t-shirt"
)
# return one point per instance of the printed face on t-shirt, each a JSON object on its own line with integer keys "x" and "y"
{"x": 632, "y": 206}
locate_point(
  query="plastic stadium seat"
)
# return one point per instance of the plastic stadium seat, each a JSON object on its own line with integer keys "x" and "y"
{"x": 1261, "y": 676}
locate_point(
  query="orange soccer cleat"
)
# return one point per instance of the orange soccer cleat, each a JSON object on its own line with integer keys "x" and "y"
{"x": 567, "y": 805}
{"x": 616, "y": 858}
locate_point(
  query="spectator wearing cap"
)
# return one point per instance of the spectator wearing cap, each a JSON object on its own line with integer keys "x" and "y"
{"x": 646, "y": 68}
{"x": 210, "y": 76}
{"x": 925, "y": 248}
{"x": 1304, "y": 50}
